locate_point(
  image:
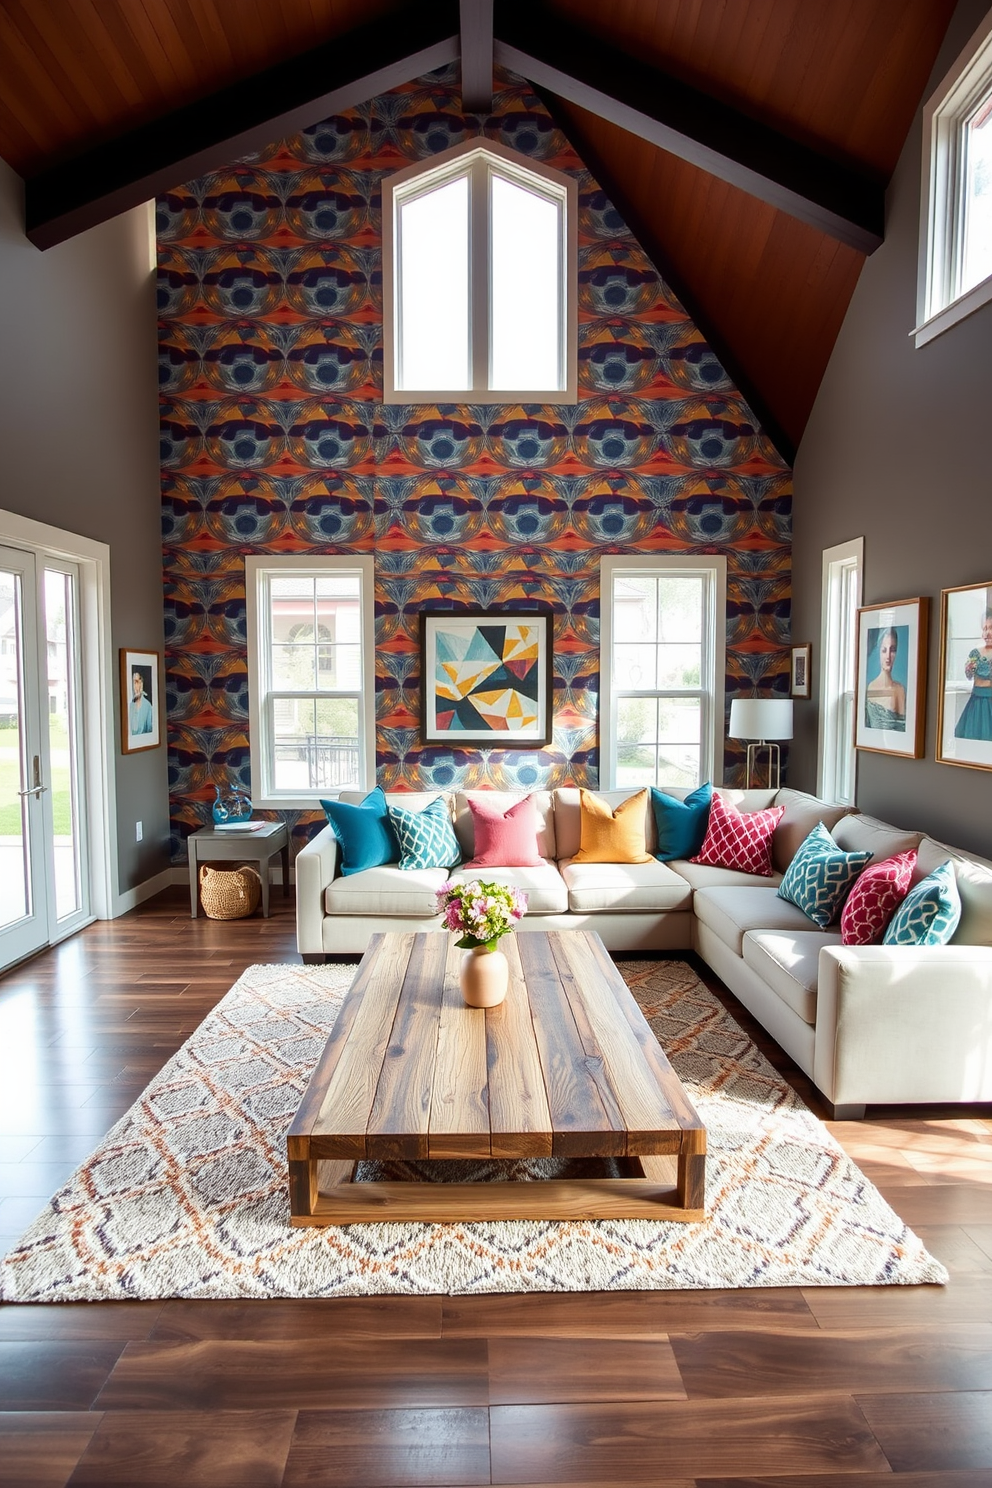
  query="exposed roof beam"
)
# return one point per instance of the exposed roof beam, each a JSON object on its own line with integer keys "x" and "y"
{"x": 476, "y": 25}
{"x": 212, "y": 132}
{"x": 678, "y": 118}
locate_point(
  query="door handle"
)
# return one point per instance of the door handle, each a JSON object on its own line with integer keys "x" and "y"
{"x": 37, "y": 789}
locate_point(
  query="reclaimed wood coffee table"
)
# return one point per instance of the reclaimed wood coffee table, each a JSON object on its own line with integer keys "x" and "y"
{"x": 565, "y": 1067}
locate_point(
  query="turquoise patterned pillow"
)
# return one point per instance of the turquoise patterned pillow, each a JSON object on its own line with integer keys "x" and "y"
{"x": 819, "y": 877}
{"x": 929, "y": 914}
{"x": 427, "y": 838}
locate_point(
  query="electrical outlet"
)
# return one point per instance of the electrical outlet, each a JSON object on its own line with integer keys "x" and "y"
{"x": 137, "y": 831}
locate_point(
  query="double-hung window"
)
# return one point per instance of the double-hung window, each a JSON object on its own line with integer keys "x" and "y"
{"x": 479, "y": 280}
{"x": 662, "y": 633}
{"x": 311, "y": 662}
{"x": 841, "y": 596}
{"x": 955, "y": 275}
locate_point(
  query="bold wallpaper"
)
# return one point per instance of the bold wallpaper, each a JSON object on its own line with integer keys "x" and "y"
{"x": 274, "y": 440}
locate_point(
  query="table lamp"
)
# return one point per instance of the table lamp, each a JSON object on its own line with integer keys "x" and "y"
{"x": 761, "y": 721}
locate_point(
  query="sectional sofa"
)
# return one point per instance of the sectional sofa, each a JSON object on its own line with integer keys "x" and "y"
{"x": 868, "y": 1024}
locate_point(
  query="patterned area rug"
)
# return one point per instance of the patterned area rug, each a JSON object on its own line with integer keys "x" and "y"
{"x": 186, "y": 1196}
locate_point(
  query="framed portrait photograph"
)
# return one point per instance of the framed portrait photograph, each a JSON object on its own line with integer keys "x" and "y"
{"x": 485, "y": 677}
{"x": 799, "y": 683}
{"x": 141, "y": 723}
{"x": 891, "y": 686}
{"x": 964, "y": 726}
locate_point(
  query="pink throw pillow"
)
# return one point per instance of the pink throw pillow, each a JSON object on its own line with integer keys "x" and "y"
{"x": 505, "y": 839}
{"x": 877, "y": 893}
{"x": 739, "y": 839}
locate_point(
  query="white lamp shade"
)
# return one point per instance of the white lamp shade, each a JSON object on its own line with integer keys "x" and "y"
{"x": 761, "y": 718}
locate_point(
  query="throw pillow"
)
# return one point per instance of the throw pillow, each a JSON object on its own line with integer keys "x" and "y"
{"x": 681, "y": 824}
{"x": 876, "y": 896}
{"x": 427, "y": 838}
{"x": 819, "y": 877}
{"x": 366, "y": 837}
{"x": 739, "y": 839}
{"x": 608, "y": 836}
{"x": 929, "y": 914}
{"x": 505, "y": 839}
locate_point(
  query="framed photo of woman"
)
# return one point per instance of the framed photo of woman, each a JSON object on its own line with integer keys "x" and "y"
{"x": 891, "y": 686}
{"x": 141, "y": 726}
{"x": 964, "y": 731}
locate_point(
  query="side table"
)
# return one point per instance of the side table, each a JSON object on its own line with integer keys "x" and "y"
{"x": 259, "y": 847}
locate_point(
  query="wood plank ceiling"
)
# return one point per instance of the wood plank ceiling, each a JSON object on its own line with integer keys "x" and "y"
{"x": 842, "y": 77}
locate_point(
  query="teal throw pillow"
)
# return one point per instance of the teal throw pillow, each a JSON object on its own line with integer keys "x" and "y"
{"x": 364, "y": 831}
{"x": 930, "y": 912}
{"x": 681, "y": 824}
{"x": 427, "y": 838}
{"x": 818, "y": 879}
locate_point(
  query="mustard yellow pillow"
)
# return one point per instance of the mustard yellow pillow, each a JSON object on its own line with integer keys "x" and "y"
{"x": 608, "y": 836}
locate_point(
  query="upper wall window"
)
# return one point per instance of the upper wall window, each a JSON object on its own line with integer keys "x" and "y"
{"x": 956, "y": 229}
{"x": 479, "y": 272}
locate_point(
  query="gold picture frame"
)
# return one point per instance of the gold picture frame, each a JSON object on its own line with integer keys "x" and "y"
{"x": 964, "y": 718}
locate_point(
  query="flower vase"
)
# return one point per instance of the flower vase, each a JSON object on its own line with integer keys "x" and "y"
{"x": 484, "y": 977}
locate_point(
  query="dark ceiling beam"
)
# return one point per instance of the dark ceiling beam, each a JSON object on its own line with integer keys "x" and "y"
{"x": 648, "y": 240}
{"x": 676, "y": 117}
{"x": 242, "y": 118}
{"x": 476, "y": 27}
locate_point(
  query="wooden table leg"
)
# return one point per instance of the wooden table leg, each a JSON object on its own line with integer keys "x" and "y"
{"x": 263, "y": 873}
{"x": 691, "y": 1180}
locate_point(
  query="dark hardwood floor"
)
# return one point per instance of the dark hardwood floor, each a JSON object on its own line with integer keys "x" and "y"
{"x": 822, "y": 1387}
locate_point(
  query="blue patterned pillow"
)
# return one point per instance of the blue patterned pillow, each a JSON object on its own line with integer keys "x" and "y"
{"x": 427, "y": 838}
{"x": 930, "y": 912}
{"x": 819, "y": 877}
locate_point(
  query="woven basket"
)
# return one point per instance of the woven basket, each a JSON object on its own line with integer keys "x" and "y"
{"x": 229, "y": 893}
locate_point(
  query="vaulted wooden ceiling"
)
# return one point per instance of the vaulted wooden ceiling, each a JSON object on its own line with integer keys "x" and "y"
{"x": 746, "y": 141}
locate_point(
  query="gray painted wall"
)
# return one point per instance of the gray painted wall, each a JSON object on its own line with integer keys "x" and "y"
{"x": 898, "y": 450}
{"x": 79, "y": 442}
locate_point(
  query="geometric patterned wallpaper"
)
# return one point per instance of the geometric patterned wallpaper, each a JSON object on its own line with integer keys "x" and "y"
{"x": 275, "y": 440}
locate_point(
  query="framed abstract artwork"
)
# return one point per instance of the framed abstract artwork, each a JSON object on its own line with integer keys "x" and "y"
{"x": 964, "y": 729}
{"x": 486, "y": 677}
{"x": 799, "y": 675}
{"x": 141, "y": 725}
{"x": 891, "y": 686}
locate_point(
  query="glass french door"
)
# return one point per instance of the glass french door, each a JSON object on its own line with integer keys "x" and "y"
{"x": 42, "y": 820}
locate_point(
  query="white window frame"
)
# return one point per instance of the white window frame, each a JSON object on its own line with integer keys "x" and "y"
{"x": 940, "y": 304}
{"x": 258, "y": 571}
{"x": 712, "y": 688}
{"x": 837, "y": 759}
{"x": 479, "y": 160}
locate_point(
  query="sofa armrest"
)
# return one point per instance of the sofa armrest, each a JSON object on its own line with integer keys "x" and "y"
{"x": 904, "y": 1024}
{"x": 316, "y": 867}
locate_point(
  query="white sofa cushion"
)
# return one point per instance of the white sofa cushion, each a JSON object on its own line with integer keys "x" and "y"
{"x": 802, "y": 812}
{"x": 387, "y": 891}
{"x": 502, "y": 801}
{"x": 856, "y": 832}
{"x": 544, "y": 887}
{"x": 731, "y": 913}
{"x": 703, "y": 876}
{"x": 788, "y": 961}
{"x": 598, "y": 888}
{"x": 974, "y": 881}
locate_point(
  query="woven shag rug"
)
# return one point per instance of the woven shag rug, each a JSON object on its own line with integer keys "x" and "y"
{"x": 186, "y": 1196}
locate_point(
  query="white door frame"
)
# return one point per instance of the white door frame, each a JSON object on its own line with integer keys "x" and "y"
{"x": 97, "y": 710}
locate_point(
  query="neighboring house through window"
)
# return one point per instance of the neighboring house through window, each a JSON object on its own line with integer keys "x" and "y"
{"x": 311, "y": 677}
{"x": 955, "y": 275}
{"x": 663, "y": 650}
{"x": 479, "y": 280}
{"x": 841, "y": 597}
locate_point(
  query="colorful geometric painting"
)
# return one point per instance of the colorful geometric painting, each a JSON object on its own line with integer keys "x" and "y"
{"x": 487, "y": 678}
{"x": 275, "y": 439}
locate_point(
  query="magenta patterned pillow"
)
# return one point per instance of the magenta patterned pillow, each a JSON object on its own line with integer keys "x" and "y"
{"x": 874, "y": 899}
{"x": 739, "y": 839}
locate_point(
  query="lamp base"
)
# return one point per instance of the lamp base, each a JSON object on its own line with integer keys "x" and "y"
{"x": 774, "y": 765}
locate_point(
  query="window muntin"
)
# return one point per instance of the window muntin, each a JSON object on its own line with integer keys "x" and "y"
{"x": 661, "y": 716}
{"x": 841, "y": 597}
{"x": 311, "y": 681}
{"x": 480, "y": 280}
{"x": 955, "y": 275}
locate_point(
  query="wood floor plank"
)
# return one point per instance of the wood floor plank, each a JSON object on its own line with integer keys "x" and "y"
{"x": 125, "y": 1321}
{"x": 39, "y": 1449}
{"x": 54, "y": 1376}
{"x": 575, "y": 1443}
{"x": 923, "y": 1432}
{"x": 533, "y": 1371}
{"x": 621, "y": 1314}
{"x": 967, "y": 1300}
{"x": 942, "y": 1203}
{"x": 197, "y": 1449}
{"x": 975, "y": 1478}
{"x": 238, "y": 1375}
{"x": 299, "y": 1321}
{"x": 388, "y": 1448}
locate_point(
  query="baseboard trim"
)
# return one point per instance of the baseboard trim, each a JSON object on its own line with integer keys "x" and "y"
{"x": 131, "y": 898}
